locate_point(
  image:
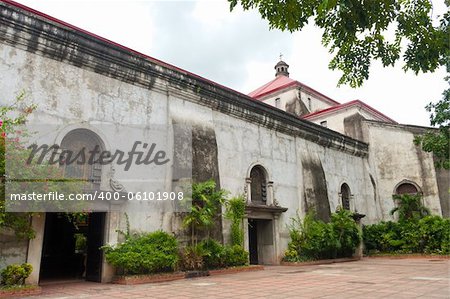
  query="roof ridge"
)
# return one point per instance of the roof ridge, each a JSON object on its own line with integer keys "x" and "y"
{"x": 349, "y": 104}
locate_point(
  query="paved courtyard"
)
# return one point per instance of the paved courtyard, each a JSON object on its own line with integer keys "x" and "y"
{"x": 368, "y": 278}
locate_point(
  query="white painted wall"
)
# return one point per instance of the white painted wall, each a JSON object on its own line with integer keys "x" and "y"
{"x": 335, "y": 120}
{"x": 291, "y": 94}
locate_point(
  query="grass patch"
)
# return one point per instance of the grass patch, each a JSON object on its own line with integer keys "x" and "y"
{"x": 17, "y": 288}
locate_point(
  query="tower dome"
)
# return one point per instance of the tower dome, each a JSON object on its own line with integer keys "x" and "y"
{"x": 282, "y": 69}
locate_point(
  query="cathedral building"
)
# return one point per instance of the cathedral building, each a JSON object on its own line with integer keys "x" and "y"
{"x": 286, "y": 147}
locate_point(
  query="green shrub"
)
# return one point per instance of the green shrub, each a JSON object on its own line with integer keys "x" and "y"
{"x": 319, "y": 242}
{"x": 210, "y": 254}
{"x": 346, "y": 231}
{"x": 235, "y": 255}
{"x": 429, "y": 235}
{"x": 213, "y": 254}
{"x": 16, "y": 274}
{"x": 144, "y": 254}
{"x": 313, "y": 239}
{"x": 435, "y": 234}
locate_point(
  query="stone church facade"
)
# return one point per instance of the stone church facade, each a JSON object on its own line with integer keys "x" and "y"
{"x": 286, "y": 147}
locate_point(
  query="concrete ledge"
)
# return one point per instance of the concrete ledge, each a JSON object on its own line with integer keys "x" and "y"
{"x": 155, "y": 278}
{"x": 149, "y": 278}
{"x": 321, "y": 262}
{"x": 236, "y": 270}
{"x": 408, "y": 256}
{"x": 21, "y": 292}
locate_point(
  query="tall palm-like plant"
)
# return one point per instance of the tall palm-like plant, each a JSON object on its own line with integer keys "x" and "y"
{"x": 206, "y": 204}
{"x": 409, "y": 206}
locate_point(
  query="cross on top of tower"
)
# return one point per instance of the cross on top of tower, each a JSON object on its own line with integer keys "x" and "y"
{"x": 282, "y": 68}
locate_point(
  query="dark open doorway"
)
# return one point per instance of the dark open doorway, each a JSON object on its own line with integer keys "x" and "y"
{"x": 71, "y": 248}
{"x": 260, "y": 238}
{"x": 253, "y": 241}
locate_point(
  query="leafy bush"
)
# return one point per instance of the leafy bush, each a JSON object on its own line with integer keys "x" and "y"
{"x": 409, "y": 207}
{"x": 313, "y": 239}
{"x": 213, "y": 254}
{"x": 210, "y": 254}
{"x": 382, "y": 237}
{"x": 235, "y": 212}
{"x": 434, "y": 234}
{"x": 347, "y": 232}
{"x": 144, "y": 254}
{"x": 16, "y": 274}
{"x": 430, "y": 235}
{"x": 235, "y": 255}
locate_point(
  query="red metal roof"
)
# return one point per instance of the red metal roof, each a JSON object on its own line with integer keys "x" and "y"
{"x": 347, "y": 105}
{"x": 278, "y": 83}
{"x": 281, "y": 82}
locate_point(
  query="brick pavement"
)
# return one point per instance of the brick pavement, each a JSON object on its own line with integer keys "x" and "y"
{"x": 368, "y": 278}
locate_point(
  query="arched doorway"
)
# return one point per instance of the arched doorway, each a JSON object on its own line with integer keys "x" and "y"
{"x": 345, "y": 196}
{"x": 71, "y": 245}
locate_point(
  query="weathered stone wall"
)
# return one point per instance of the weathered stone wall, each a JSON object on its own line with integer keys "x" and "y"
{"x": 443, "y": 183}
{"x": 12, "y": 250}
{"x": 394, "y": 158}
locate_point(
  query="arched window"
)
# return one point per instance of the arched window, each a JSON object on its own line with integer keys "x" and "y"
{"x": 406, "y": 188}
{"x": 258, "y": 184}
{"x": 345, "y": 196}
{"x": 80, "y": 151}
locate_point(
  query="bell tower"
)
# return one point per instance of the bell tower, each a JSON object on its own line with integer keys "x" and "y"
{"x": 281, "y": 68}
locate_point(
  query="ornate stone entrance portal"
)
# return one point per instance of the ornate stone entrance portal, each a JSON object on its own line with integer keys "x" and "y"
{"x": 261, "y": 219}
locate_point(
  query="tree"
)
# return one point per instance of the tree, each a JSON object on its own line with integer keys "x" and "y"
{"x": 11, "y": 118}
{"x": 438, "y": 141}
{"x": 14, "y": 167}
{"x": 359, "y": 31}
{"x": 206, "y": 205}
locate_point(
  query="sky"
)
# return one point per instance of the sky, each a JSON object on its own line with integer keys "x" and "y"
{"x": 237, "y": 49}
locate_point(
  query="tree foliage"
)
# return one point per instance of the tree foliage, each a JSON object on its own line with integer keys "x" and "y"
{"x": 206, "y": 205}
{"x": 438, "y": 141}
{"x": 360, "y": 31}
{"x": 12, "y": 117}
{"x": 235, "y": 212}
{"x": 13, "y": 166}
